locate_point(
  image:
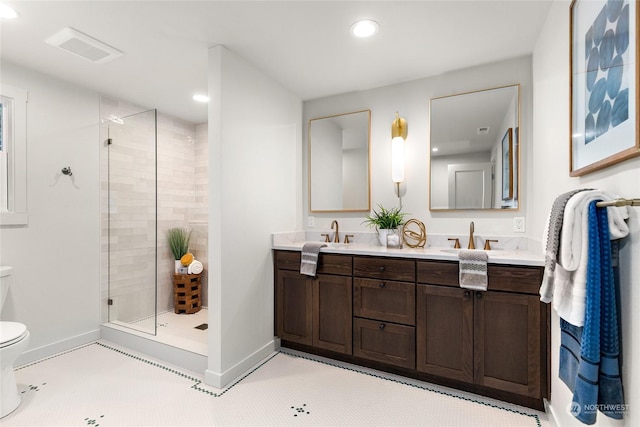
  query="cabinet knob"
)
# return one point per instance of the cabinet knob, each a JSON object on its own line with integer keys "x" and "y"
{"x": 381, "y": 269}
{"x": 381, "y": 327}
{"x": 467, "y": 294}
{"x": 479, "y": 295}
{"x": 382, "y": 285}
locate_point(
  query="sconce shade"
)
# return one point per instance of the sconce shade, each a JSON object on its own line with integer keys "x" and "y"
{"x": 397, "y": 159}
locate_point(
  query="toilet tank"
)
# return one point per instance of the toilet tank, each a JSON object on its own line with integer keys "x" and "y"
{"x": 5, "y": 277}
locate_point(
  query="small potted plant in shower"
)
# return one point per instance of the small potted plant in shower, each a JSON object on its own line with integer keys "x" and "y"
{"x": 385, "y": 221}
{"x": 179, "y": 244}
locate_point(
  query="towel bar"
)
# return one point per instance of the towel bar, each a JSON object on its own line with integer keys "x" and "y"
{"x": 619, "y": 202}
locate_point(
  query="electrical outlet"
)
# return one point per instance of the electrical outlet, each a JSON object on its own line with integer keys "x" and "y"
{"x": 518, "y": 224}
{"x": 311, "y": 221}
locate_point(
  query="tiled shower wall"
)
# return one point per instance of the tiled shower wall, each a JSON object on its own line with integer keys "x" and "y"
{"x": 182, "y": 175}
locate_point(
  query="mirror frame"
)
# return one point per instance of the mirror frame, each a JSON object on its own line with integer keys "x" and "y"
{"x": 516, "y": 130}
{"x": 309, "y": 168}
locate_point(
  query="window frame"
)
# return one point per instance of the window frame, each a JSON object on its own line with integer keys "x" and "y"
{"x": 14, "y": 128}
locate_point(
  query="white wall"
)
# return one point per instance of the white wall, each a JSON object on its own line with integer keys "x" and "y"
{"x": 411, "y": 100}
{"x": 550, "y": 172}
{"x": 254, "y": 185}
{"x": 56, "y": 258}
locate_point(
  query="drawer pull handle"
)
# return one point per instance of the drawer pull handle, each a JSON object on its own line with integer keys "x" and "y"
{"x": 382, "y": 269}
{"x": 381, "y": 327}
{"x": 382, "y": 285}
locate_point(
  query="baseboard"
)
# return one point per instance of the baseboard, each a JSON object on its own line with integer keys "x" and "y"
{"x": 550, "y": 411}
{"x": 220, "y": 380}
{"x": 49, "y": 350}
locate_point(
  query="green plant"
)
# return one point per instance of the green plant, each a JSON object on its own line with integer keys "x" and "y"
{"x": 385, "y": 218}
{"x": 178, "y": 241}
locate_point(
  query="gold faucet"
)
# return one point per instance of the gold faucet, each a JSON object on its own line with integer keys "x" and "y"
{"x": 487, "y": 244}
{"x": 471, "y": 244}
{"x": 336, "y": 238}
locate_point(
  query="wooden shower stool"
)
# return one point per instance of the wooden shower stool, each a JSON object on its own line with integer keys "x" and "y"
{"x": 187, "y": 293}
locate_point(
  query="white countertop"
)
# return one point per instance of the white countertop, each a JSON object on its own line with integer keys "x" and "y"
{"x": 498, "y": 256}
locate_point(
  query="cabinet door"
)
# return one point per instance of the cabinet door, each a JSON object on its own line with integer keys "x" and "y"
{"x": 444, "y": 329}
{"x": 294, "y": 307}
{"x": 332, "y": 313}
{"x": 507, "y": 342}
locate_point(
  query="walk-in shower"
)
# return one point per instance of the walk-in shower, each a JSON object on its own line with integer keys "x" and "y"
{"x": 154, "y": 177}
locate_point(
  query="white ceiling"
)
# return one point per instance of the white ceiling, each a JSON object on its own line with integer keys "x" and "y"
{"x": 305, "y": 45}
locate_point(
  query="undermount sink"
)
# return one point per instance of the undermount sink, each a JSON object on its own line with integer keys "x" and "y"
{"x": 488, "y": 252}
{"x": 335, "y": 245}
{"x": 450, "y": 251}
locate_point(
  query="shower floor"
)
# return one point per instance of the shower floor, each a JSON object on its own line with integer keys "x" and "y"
{"x": 185, "y": 331}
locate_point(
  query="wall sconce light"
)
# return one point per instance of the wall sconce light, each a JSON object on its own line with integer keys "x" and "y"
{"x": 398, "y": 136}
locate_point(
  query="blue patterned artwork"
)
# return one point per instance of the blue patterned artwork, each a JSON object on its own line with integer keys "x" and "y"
{"x": 607, "y": 86}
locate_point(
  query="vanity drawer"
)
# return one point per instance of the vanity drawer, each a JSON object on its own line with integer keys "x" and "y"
{"x": 438, "y": 273}
{"x": 519, "y": 279}
{"x": 524, "y": 280}
{"x": 385, "y": 300}
{"x": 327, "y": 263}
{"x": 385, "y": 268}
{"x": 384, "y": 342}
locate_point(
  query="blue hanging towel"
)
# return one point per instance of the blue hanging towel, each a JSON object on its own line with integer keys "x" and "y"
{"x": 589, "y": 355}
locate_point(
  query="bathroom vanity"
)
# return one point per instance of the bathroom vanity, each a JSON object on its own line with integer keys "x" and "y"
{"x": 403, "y": 312}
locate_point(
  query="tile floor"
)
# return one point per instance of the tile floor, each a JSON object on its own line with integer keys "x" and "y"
{"x": 103, "y": 384}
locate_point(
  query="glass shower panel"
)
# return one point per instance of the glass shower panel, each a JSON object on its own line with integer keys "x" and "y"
{"x": 132, "y": 220}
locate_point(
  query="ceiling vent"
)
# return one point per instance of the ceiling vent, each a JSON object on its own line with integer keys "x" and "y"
{"x": 85, "y": 46}
{"x": 483, "y": 130}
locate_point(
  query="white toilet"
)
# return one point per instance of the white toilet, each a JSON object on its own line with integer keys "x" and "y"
{"x": 14, "y": 338}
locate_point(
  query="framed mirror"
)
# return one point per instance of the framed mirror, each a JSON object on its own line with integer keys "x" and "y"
{"x": 339, "y": 179}
{"x": 475, "y": 150}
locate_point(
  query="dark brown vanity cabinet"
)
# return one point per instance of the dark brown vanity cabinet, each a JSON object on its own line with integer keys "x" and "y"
{"x": 314, "y": 311}
{"x": 411, "y": 317}
{"x": 495, "y": 338}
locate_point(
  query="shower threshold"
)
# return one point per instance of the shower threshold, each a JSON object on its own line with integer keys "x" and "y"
{"x": 178, "y": 339}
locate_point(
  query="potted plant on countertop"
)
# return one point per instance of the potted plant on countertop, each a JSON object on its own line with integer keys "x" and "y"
{"x": 385, "y": 221}
{"x": 179, "y": 243}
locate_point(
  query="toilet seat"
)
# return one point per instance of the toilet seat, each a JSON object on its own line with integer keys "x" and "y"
{"x": 11, "y": 333}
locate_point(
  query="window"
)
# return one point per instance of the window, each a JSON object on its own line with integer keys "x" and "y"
{"x": 13, "y": 156}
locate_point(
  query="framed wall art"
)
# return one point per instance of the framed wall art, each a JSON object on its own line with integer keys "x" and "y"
{"x": 604, "y": 84}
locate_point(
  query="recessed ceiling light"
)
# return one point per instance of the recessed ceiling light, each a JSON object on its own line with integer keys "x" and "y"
{"x": 364, "y": 28}
{"x": 7, "y": 12}
{"x": 200, "y": 98}
{"x": 434, "y": 149}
